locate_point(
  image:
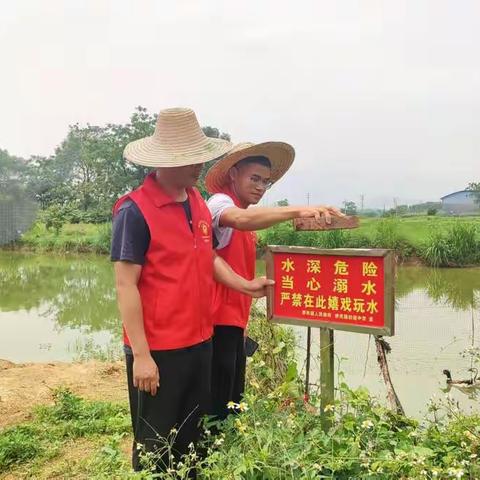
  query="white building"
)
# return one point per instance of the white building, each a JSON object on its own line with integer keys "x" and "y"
{"x": 460, "y": 203}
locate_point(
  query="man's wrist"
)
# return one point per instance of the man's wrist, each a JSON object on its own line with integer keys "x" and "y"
{"x": 293, "y": 212}
{"x": 245, "y": 286}
{"x": 141, "y": 353}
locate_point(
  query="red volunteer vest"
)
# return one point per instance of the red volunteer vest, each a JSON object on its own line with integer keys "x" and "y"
{"x": 177, "y": 278}
{"x": 230, "y": 307}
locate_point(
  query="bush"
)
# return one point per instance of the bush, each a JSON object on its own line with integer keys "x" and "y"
{"x": 357, "y": 240}
{"x": 386, "y": 234}
{"x": 464, "y": 247}
{"x": 275, "y": 437}
{"x": 458, "y": 247}
{"x": 103, "y": 238}
{"x": 274, "y": 362}
{"x": 280, "y": 234}
{"x": 54, "y": 217}
{"x": 334, "y": 239}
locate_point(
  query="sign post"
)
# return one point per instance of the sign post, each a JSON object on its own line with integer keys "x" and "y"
{"x": 331, "y": 289}
{"x": 327, "y": 381}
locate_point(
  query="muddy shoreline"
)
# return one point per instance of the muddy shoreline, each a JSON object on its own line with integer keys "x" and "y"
{"x": 26, "y": 385}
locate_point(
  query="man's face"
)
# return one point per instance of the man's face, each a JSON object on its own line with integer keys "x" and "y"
{"x": 251, "y": 182}
{"x": 186, "y": 177}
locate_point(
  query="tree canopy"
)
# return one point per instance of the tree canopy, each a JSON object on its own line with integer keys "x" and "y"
{"x": 474, "y": 187}
{"x": 87, "y": 173}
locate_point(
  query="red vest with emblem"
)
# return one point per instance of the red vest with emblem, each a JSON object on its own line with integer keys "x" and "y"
{"x": 230, "y": 307}
{"x": 176, "y": 281}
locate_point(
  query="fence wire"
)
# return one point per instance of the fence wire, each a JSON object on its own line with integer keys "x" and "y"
{"x": 430, "y": 336}
{"x": 17, "y": 214}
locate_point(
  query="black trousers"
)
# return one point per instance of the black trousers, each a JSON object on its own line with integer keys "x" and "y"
{"x": 182, "y": 399}
{"x": 228, "y": 368}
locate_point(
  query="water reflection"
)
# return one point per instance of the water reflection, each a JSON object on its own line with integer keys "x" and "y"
{"x": 73, "y": 292}
{"x": 79, "y": 292}
{"x": 59, "y": 308}
{"x": 458, "y": 288}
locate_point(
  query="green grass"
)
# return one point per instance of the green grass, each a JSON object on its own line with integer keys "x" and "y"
{"x": 77, "y": 238}
{"x": 416, "y": 230}
{"x": 28, "y": 447}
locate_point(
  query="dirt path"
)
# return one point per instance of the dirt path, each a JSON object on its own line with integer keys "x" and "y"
{"x": 22, "y": 386}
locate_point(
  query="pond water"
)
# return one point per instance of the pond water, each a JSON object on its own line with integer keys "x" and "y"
{"x": 63, "y": 308}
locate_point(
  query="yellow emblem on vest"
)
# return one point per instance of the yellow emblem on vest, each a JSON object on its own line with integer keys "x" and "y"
{"x": 204, "y": 228}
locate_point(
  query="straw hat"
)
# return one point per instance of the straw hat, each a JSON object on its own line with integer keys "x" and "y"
{"x": 280, "y": 154}
{"x": 177, "y": 141}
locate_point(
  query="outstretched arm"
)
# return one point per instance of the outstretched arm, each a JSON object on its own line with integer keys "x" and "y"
{"x": 258, "y": 218}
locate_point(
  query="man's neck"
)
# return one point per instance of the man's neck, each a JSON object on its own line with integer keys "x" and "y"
{"x": 242, "y": 203}
{"x": 178, "y": 193}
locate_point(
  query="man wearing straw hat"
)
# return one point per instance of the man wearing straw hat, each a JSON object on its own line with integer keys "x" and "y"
{"x": 165, "y": 267}
{"x": 237, "y": 181}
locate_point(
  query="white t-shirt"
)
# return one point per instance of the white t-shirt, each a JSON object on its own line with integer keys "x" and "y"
{"x": 217, "y": 204}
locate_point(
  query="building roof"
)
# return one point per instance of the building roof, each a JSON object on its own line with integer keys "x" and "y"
{"x": 455, "y": 193}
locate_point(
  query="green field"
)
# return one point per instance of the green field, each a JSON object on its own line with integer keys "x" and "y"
{"x": 416, "y": 230}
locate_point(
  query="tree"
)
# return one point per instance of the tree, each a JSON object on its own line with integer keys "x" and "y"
{"x": 87, "y": 173}
{"x": 425, "y": 207}
{"x": 10, "y": 167}
{"x": 349, "y": 208}
{"x": 211, "y": 132}
{"x": 45, "y": 179}
{"x": 283, "y": 203}
{"x": 474, "y": 187}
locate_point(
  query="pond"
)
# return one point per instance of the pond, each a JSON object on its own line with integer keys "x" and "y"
{"x": 63, "y": 308}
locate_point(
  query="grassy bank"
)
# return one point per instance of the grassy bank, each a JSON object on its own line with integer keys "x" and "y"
{"x": 273, "y": 435}
{"x": 434, "y": 241}
{"x": 71, "y": 238}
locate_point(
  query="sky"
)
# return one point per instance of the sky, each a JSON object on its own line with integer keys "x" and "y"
{"x": 378, "y": 98}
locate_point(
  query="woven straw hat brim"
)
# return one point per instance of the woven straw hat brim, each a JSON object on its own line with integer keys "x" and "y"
{"x": 150, "y": 153}
{"x": 280, "y": 154}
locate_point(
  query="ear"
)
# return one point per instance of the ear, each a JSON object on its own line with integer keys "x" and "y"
{"x": 232, "y": 174}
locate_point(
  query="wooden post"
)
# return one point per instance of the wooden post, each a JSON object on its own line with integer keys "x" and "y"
{"x": 307, "y": 365}
{"x": 327, "y": 383}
